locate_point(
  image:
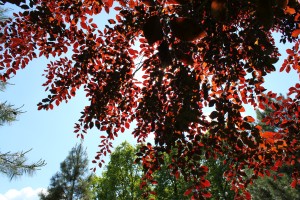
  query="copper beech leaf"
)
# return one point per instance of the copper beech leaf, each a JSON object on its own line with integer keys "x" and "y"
{"x": 188, "y": 192}
{"x": 179, "y": 71}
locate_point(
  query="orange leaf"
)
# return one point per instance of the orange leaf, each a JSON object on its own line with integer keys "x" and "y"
{"x": 132, "y": 3}
{"x": 249, "y": 119}
{"x": 242, "y": 109}
{"x": 290, "y": 10}
{"x": 268, "y": 134}
{"x": 295, "y": 33}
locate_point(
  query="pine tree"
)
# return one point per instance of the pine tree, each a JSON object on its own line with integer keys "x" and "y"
{"x": 72, "y": 181}
{"x": 13, "y": 164}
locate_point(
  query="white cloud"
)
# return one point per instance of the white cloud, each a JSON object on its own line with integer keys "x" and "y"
{"x": 27, "y": 193}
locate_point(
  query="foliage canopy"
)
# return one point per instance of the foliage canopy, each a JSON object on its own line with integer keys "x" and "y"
{"x": 195, "y": 54}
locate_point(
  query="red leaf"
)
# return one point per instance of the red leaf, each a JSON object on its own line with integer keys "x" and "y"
{"x": 83, "y": 25}
{"x": 290, "y": 51}
{"x": 154, "y": 182}
{"x": 205, "y": 183}
{"x": 118, "y": 8}
{"x": 127, "y": 125}
{"x": 143, "y": 184}
{"x": 73, "y": 91}
{"x": 187, "y": 192}
{"x": 106, "y": 8}
{"x": 103, "y": 128}
{"x": 288, "y": 69}
{"x": 262, "y": 106}
{"x": 205, "y": 168}
{"x": 94, "y": 25}
{"x": 207, "y": 195}
{"x": 111, "y": 21}
{"x": 294, "y": 183}
{"x": 133, "y": 52}
{"x": 16, "y": 42}
{"x": 177, "y": 174}
{"x": 108, "y": 3}
{"x": 247, "y": 195}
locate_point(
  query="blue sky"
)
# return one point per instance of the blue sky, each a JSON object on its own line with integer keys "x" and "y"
{"x": 50, "y": 133}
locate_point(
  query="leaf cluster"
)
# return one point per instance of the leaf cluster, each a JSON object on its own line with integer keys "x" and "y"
{"x": 195, "y": 54}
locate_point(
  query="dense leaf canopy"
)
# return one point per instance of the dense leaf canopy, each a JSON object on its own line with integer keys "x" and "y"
{"x": 194, "y": 54}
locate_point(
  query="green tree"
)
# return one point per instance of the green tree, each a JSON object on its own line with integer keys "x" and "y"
{"x": 169, "y": 185}
{"x": 8, "y": 112}
{"x": 266, "y": 188}
{"x": 72, "y": 182}
{"x": 15, "y": 164}
{"x": 121, "y": 179}
{"x": 220, "y": 188}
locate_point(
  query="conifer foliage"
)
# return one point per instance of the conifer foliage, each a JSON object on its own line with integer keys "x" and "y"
{"x": 195, "y": 54}
{"x": 72, "y": 181}
{"x": 14, "y": 164}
